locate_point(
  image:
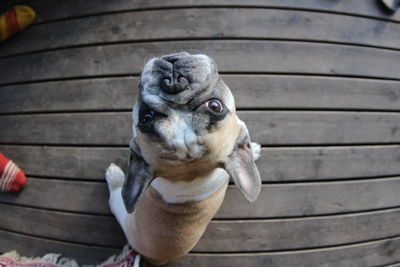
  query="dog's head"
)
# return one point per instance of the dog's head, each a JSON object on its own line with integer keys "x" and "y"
{"x": 185, "y": 126}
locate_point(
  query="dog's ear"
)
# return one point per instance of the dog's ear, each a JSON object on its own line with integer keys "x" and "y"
{"x": 242, "y": 168}
{"x": 138, "y": 178}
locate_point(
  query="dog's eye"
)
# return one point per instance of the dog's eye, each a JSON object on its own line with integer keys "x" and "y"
{"x": 214, "y": 105}
{"x": 146, "y": 116}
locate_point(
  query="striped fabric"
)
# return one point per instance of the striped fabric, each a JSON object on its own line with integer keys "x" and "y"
{"x": 15, "y": 20}
{"x": 12, "y": 179}
{"x": 8, "y": 176}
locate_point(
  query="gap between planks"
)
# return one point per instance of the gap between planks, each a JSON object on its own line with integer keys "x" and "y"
{"x": 366, "y": 242}
{"x": 250, "y": 253}
{"x": 291, "y": 182}
{"x": 228, "y": 219}
{"x": 193, "y": 5}
{"x": 137, "y": 75}
{"x": 124, "y": 110}
{"x": 161, "y": 40}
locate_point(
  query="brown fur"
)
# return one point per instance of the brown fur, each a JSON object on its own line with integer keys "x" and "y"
{"x": 218, "y": 143}
{"x": 163, "y": 232}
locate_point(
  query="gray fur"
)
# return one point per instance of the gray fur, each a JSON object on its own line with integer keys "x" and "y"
{"x": 178, "y": 77}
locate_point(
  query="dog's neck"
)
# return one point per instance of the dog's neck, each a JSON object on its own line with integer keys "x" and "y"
{"x": 198, "y": 189}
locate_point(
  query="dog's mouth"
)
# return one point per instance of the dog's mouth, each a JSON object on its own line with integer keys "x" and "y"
{"x": 178, "y": 149}
{"x": 173, "y": 157}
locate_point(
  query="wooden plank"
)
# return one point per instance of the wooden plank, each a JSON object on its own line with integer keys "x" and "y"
{"x": 376, "y": 253}
{"x": 304, "y": 199}
{"x": 309, "y": 127}
{"x": 266, "y": 127}
{"x": 300, "y": 233}
{"x": 364, "y": 254}
{"x": 277, "y": 57}
{"x": 66, "y": 162}
{"x": 92, "y": 230}
{"x": 220, "y": 236}
{"x": 29, "y": 246}
{"x": 270, "y": 91}
{"x": 83, "y": 95}
{"x": 49, "y": 10}
{"x": 275, "y": 164}
{"x": 250, "y": 91}
{"x": 64, "y": 195}
{"x": 206, "y": 23}
{"x": 276, "y": 200}
{"x": 319, "y": 163}
{"x": 100, "y": 128}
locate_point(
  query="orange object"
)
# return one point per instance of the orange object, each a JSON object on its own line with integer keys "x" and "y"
{"x": 15, "y": 20}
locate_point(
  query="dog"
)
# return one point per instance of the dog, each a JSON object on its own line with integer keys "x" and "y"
{"x": 187, "y": 142}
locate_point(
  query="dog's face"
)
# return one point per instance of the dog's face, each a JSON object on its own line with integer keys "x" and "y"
{"x": 185, "y": 114}
{"x": 185, "y": 125}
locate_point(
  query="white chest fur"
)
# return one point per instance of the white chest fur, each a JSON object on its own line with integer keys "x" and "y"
{"x": 196, "y": 190}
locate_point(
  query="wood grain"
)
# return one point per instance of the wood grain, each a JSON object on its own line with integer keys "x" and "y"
{"x": 100, "y": 128}
{"x": 275, "y": 200}
{"x": 218, "y": 23}
{"x": 367, "y": 254}
{"x": 319, "y": 163}
{"x": 82, "y": 95}
{"x": 277, "y": 57}
{"x": 250, "y": 91}
{"x": 63, "y": 195}
{"x": 266, "y": 127}
{"x": 318, "y": 85}
{"x": 49, "y": 10}
{"x": 220, "y": 236}
{"x": 276, "y": 164}
{"x": 95, "y": 230}
{"x": 29, "y": 246}
{"x": 308, "y": 92}
{"x": 300, "y": 233}
{"x": 309, "y": 127}
{"x": 66, "y": 162}
{"x": 304, "y": 199}
{"x": 364, "y": 254}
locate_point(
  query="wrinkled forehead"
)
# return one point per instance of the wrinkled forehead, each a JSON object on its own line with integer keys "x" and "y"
{"x": 179, "y": 78}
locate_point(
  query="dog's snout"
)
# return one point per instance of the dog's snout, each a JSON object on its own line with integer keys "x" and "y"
{"x": 174, "y": 86}
{"x": 178, "y": 77}
{"x": 182, "y": 83}
{"x": 166, "y": 85}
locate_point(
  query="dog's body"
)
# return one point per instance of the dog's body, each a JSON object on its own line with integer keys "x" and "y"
{"x": 187, "y": 142}
{"x": 163, "y": 231}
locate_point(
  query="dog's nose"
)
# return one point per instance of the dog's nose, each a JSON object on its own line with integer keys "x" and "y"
{"x": 172, "y": 80}
{"x": 178, "y": 77}
{"x": 171, "y": 85}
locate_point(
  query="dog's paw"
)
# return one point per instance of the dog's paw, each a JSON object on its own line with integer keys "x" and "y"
{"x": 115, "y": 177}
{"x": 256, "y": 149}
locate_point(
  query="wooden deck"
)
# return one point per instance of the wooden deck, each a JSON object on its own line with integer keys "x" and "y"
{"x": 317, "y": 82}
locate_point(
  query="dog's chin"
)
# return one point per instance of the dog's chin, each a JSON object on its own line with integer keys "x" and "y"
{"x": 158, "y": 149}
{"x": 184, "y": 170}
{"x": 172, "y": 156}
{"x": 167, "y": 164}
